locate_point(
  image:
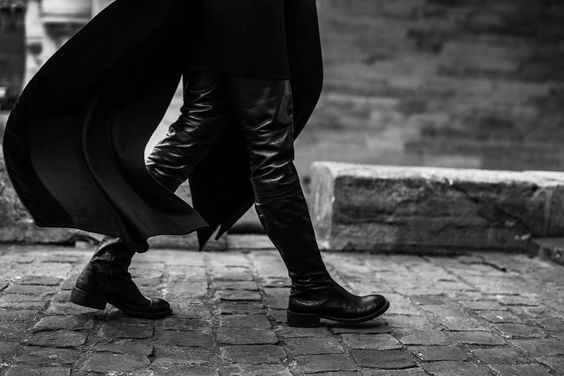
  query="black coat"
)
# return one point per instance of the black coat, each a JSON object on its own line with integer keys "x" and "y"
{"x": 245, "y": 37}
{"x": 74, "y": 143}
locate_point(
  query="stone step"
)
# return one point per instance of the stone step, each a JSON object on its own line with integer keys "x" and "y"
{"x": 417, "y": 209}
{"x": 549, "y": 249}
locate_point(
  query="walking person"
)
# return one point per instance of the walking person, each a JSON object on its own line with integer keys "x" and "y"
{"x": 251, "y": 73}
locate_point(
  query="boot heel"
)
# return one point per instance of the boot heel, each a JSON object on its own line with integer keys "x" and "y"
{"x": 303, "y": 320}
{"x": 87, "y": 299}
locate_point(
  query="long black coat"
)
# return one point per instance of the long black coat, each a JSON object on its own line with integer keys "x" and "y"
{"x": 74, "y": 143}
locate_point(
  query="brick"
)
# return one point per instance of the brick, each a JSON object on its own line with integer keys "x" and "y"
{"x": 462, "y": 323}
{"x": 428, "y": 299}
{"x": 277, "y": 298}
{"x": 238, "y": 295}
{"x": 124, "y": 346}
{"x": 235, "y": 285}
{"x": 261, "y": 354}
{"x": 445, "y": 310}
{"x": 536, "y": 312}
{"x": 399, "y": 372}
{"x": 180, "y": 291}
{"x": 277, "y": 315}
{"x": 119, "y": 330}
{"x": 476, "y": 338}
{"x": 41, "y": 356}
{"x": 12, "y": 331}
{"x": 500, "y": 317}
{"x": 520, "y": 369}
{"x": 497, "y": 355}
{"x": 422, "y": 337}
{"x": 17, "y": 316}
{"x": 104, "y": 363}
{"x": 313, "y": 346}
{"x": 60, "y": 338}
{"x": 374, "y": 342}
{"x": 409, "y": 322}
{"x": 517, "y": 300}
{"x": 554, "y": 324}
{"x": 296, "y": 332}
{"x": 43, "y": 371}
{"x": 519, "y": 331}
{"x": 540, "y": 347}
{"x": 246, "y": 336}
{"x": 57, "y": 308}
{"x": 185, "y": 355}
{"x": 233, "y": 274}
{"x": 237, "y": 308}
{"x": 437, "y": 353}
{"x": 244, "y": 321}
{"x": 63, "y": 322}
{"x": 377, "y": 326}
{"x": 556, "y": 363}
{"x": 31, "y": 290}
{"x": 455, "y": 368}
{"x": 388, "y": 359}
{"x": 192, "y": 338}
{"x": 482, "y": 305}
{"x": 324, "y": 363}
{"x": 190, "y": 311}
{"x": 256, "y": 370}
{"x": 182, "y": 370}
{"x": 338, "y": 373}
{"x": 39, "y": 280}
{"x": 180, "y": 323}
{"x": 7, "y": 299}
{"x": 8, "y": 350}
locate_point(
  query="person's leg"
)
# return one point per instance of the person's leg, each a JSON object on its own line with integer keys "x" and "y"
{"x": 189, "y": 139}
{"x": 106, "y": 277}
{"x": 265, "y": 111}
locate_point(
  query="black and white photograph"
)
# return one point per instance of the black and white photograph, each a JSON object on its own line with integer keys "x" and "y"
{"x": 282, "y": 187}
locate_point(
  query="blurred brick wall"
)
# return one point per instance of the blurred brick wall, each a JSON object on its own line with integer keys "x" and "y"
{"x": 467, "y": 83}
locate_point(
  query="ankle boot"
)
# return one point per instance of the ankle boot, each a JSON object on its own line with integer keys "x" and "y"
{"x": 106, "y": 279}
{"x": 313, "y": 294}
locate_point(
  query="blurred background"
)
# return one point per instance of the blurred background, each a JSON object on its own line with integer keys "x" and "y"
{"x": 452, "y": 83}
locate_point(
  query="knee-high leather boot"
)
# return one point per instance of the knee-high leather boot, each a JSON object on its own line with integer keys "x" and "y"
{"x": 106, "y": 279}
{"x": 313, "y": 293}
{"x": 265, "y": 108}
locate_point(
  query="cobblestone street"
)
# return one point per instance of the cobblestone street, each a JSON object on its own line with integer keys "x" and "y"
{"x": 477, "y": 314}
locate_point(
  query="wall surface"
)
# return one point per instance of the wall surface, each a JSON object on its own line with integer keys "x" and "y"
{"x": 454, "y": 83}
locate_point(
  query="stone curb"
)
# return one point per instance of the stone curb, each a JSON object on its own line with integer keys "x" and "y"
{"x": 549, "y": 249}
{"x": 418, "y": 209}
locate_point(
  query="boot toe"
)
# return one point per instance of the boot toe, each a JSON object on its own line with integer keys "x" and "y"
{"x": 160, "y": 305}
{"x": 376, "y": 303}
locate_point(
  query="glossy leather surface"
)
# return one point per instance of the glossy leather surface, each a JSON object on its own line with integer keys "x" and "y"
{"x": 190, "y": 138}
{"x": 107, "y": 276}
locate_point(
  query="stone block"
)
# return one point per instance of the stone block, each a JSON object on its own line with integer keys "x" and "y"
{"x": 409, "y": 209}
{"x": 550, "y": 249}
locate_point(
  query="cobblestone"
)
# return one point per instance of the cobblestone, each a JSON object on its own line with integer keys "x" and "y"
{"x": 313, "y": 346}
{"x": 436, "y": 353}
{"x": 479, "y": 314}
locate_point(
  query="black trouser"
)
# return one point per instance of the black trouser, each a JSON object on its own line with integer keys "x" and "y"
{"x": 264, "y": 110}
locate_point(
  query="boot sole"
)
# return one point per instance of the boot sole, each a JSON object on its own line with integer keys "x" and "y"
{"x": 310, "y": 320}
{"x": 90, "y": 300}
